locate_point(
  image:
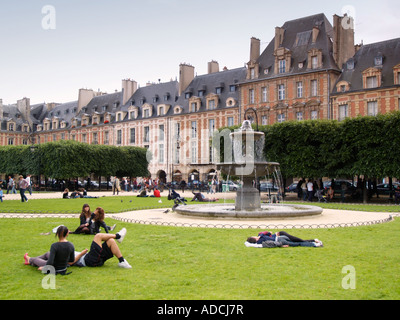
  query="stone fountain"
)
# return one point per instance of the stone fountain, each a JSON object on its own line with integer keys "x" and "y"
{"x": 243, "y": 157}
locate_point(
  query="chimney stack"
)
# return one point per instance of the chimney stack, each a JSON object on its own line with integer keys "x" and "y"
{"x": 129, "y": 87}
{"x": 343, "y": 39}
{"x": 213, "y": 67}
{"x": 254, "y": 49}
{"x": 186, "y": 76}
{"x": 279, "y": 35}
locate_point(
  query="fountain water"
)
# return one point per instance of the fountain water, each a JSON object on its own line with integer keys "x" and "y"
{"x": 246, "y": 160}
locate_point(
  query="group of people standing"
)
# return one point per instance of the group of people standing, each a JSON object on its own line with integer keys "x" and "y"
{"x": 24, "y": 184}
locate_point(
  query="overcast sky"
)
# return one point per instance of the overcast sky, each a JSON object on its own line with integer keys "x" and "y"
{"x": 49, "y": 53}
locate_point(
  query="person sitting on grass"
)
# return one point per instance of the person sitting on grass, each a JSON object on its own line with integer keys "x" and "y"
{"x": 198, "y": 196}
{"x": 98, "y": 221}
{"x": 60, "y": 255}
{"x": 85, "y": 220}
{"x": 103, "y": 248}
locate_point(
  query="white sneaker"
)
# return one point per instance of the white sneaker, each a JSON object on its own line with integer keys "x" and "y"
{"x": 122, "y": 233}
{"x": 124, "y": 264}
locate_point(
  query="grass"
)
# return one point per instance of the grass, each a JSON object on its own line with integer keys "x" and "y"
{"x": 207, "y": 264}
{"x": 109, "y": 204}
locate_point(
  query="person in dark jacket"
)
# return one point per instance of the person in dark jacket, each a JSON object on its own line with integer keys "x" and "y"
{"x": 98, "y": 221}
{"x": 85, "y": 218}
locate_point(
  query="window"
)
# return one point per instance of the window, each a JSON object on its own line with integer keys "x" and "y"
{"x": 193, "y": 107}
{"x": 11, "y": 127}
{"x": 314, "y": 115}
{"x": 95, "y": 140}
{"x": 264, "y": 120}
{"x": 211, "y": 154}
{"x": 264, "y": 94}
{"x": 281, "y": 92}
{"x": 252, "y": 73}
{"x": 372, "y": 107}
{"x": 314, "y": 62}
{"x": 161, "y": 111}
{"x": 146, "y": 135}
{"x": 106, "y": 137}
{"x": 299, "y": 116}
{"x": 282, "y": 66}
{"x": 133, "y": 135}
{"x": 281, "y": 118}
{"x": 251, "y": 96}
{"x": 84, "y": 138}
{"x": 343, "y": 112}
{"x": 232, "y": 88}
{"x": 299, "y": 86}
{"x": 194, "y": 130}
{"x": 211, "y": 127}
{"x": 146, "y": 113}
{"x": 372, "y": 82}
{"x": 314, "y": 88}
{"x": 211, "y": 104}
{"x": 161, "y": 133}
{"x": 161, "y": 153}
{"x": 10, "y": 141}
{"x": 398, "y": 77}
{"x": 230, "y": 122}
{"x": 218, "y": 90}
{"x": 194, "y": 151}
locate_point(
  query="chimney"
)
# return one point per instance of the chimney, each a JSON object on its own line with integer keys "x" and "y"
{"x": 85, "y": 96}
{"x": 186, "y": 76}
{"x": 24, "y": 106}
{"x": 129, "y": 87}
{"x": 315, "y": 33}
{"x": 279, "y": 35}
{"x": 213, "y": 67}
{"x": 254, "y": 49}
{"x": 343, "y": 39}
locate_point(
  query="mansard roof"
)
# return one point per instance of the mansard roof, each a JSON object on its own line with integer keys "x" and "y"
{"x": 365, "y": 58}
{"x": 208, "y": 83}
{"x": 298, "y": 40}
{"x": 163, "y": 93}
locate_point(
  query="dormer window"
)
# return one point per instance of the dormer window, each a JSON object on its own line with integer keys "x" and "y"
{"x": 155, "y": 99}
{"x": 167, "y": 96}
{"x": 282, "y": 66}
{"x": 379, "y": 60}
{"x": 350, "y": 64}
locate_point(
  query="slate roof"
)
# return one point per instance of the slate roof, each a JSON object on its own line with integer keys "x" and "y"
{"x": 298, "y": 39}
{"x": 209, "y": 83}
{"x": 365, "y": 58}
{"x": 147, "y": 94}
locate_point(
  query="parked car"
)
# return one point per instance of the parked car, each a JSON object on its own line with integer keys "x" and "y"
{"x": 230, "y": 185}
{"x": 292, "y": 187}
{"x": 383, "y": 189}
{"x": 268, "y": 186}
{"x": 337, "y": 187}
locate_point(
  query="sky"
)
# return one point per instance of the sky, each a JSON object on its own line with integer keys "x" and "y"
{"x": 52, "y": 48}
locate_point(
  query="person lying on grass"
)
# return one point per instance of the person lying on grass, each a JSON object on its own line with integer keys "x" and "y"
{"x": 103, "y": 248}
{"x": 198, "y": 196}
{"x": 283, "y": 237}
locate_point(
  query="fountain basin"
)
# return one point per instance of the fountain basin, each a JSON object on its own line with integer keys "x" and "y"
{"x": 267, "y": 211}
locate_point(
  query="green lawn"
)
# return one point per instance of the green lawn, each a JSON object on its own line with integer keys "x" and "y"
{"x": 193, "y": 263}
{"x": 109, "y": 204}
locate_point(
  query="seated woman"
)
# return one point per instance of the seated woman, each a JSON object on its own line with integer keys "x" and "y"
{"x": 66, "y": 194}
{"x": 85, "y": 220}
{"x": 98, "y": 221}
{"x": 198, "y": 196}
{"x": 62, "y": 253}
